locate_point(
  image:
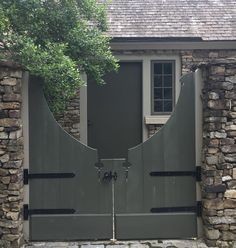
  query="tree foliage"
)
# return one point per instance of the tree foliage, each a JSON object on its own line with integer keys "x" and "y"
{"x": 57, "y": 40}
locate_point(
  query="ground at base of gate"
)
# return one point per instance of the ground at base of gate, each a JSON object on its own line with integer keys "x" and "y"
{"x": 126, "y": 244}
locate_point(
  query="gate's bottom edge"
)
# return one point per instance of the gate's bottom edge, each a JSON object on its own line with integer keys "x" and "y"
{"x": 99, "y": 227}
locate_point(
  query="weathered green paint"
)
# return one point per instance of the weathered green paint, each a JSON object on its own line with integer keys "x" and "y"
{"x": 71, "y": 227}
{"x": 170, "y": 149}
{"x": 53, "y": 150}
{"x": 136, "y": 192}
{"x": 155, "y": 226}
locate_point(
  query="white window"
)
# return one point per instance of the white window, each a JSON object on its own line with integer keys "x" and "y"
{"x": 163, "y": 86}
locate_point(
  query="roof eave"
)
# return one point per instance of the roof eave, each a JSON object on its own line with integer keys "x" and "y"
{"x": 156, "y": 39}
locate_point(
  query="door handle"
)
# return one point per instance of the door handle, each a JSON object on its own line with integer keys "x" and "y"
{"x": 108, "y": 176}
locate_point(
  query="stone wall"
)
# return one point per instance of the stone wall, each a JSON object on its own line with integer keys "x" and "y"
{"x": 219, "y": 147}
{"x": 219, "y": 153}
{"x": 11, "y": 156}
{"x": 70, "y": 118}
{"x": 153, "y": 128}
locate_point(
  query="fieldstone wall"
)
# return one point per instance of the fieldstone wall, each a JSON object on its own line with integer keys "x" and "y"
{"x": 219, "y": 153}
{"x": 11, "y": 156}
{"x": 153, "y": 128}
{"x": 70, "y": 118}
{"x": 219, "y": 146}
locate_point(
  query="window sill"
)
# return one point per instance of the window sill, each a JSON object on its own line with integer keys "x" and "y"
{"x": 156, "y": 119}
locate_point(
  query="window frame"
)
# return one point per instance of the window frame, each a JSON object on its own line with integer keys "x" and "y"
{"x": 173, "y": 62}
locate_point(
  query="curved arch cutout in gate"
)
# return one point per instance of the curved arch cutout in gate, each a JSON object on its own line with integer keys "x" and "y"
{"x": 149, "y": 202}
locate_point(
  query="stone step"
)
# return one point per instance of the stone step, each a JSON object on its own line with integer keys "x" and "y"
{"x": 121, "y": 244}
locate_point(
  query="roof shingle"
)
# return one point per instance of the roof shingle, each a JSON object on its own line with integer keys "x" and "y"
{"x": 206, "y": 19}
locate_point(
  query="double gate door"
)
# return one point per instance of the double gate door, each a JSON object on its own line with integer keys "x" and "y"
{"x": 76, "y": 196}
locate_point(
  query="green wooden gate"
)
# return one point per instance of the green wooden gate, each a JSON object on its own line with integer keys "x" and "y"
{"x": 74, "y": 195}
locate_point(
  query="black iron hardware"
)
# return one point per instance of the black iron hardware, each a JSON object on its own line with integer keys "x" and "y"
{"x": 172, "y": 173}
{"x": 196, "y": 209}
{"x": 99, "y": 165}
{"x": 126, "y": 165}
{"x": 108, "y": 176}
{"x": 27, "y": 212}
{"x": 199, "y": 173}
{"x": 89, "y": 123}
{"x": 199, "y": 208}
{"x": 196, "y": 173}
{"x": 28, "y": 176}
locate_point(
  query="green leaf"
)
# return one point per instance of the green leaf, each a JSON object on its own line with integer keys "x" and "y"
{"x": 57, "y": 40}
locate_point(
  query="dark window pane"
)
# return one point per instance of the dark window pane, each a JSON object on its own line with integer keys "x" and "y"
{"x": 168, "y": 68}
{"x": 158, "y": 106}
{"x": 168, "y": 93}
{"x": 167, "y": 81}
{"x": 167, "y": 106}
{"x": 158, "y": 68}
{"x": 157, "y": 81}
{"x": 158, "y": 93}
{"x": 163, "y": 91}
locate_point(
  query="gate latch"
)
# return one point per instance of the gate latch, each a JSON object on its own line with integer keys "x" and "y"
{"x": 126, "y": 166}
{"x": 108, "y": 176}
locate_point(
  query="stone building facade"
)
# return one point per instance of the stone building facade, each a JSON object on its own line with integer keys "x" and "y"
{"x": 69, "y": 120}
{"x": 219, "y": 147}
{"x": 189, "y": 60}
{"x": 218, "y": 186}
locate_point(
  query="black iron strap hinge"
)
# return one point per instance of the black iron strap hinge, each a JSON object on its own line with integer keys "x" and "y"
{"x": 199, "y": 173}
{"x": 199, "y": 208}
{"x": 196, "y": 174}
{"x": 27, "y": 212}
{"x": 195, "y": 209}
{"x": 28, "y": 176}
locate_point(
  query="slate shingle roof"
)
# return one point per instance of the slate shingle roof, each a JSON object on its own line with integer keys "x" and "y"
{"x": 206, "y": 19}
